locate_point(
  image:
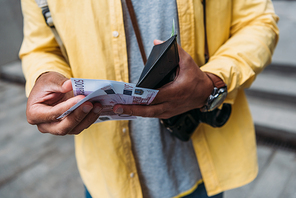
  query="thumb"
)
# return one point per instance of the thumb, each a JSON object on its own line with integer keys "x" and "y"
{"x": 67, "y": 86}
{"x": 44, "y": 113}
{"x": 157, "y": 42}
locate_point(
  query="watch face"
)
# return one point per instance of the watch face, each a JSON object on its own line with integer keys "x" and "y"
{"x": 218, "y": 100}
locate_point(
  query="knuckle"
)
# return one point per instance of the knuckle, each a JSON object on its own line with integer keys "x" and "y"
{"x": 166, "y": 111}
{"x": 150, "y": 114}
{"x": 31, "y": 121}
{"x": 61, "y": 132}
{"x": 165, "y": 108}
{"x": 30, "y": 118}
{"x": 52, "y": 116}
{"x": 76, "y": 131}
{"x": 41, "y": 129}
{"x": 65, "y": 130}
{"x": 78, "y": 119}
{"x": 90, "y": 120}
{"x": 156, "y": 112}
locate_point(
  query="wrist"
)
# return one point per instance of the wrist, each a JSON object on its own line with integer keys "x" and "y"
{"x": 217, "y": 95}
{"x": 50, "y": 77}
{"x": 209, "y": 86}
{"x": 216, "y": 80}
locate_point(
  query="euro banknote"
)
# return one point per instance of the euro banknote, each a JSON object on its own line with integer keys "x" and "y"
{"x": 109, "y": 93}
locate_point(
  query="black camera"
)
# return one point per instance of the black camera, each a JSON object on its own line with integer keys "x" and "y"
{"x": 160, "y": 69}
{"x": 183, "y": 125}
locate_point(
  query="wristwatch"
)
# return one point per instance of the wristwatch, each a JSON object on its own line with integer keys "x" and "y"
{"x": 217, "y": 96}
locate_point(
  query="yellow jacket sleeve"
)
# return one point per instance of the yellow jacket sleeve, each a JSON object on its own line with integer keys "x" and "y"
{"x": 39, "y": 52}
{"x": 253, "y": 37}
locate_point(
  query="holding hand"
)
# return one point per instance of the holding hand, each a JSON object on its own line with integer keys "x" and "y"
{"x": 50, "y": 97}
{"x": 189, "y": 90}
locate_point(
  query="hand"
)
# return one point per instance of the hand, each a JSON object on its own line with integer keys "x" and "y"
{"x": 50, "y": 97}
{"x": 188, "y": 91}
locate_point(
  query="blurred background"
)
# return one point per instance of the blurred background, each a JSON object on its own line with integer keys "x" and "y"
{"x": 39, "y": 165}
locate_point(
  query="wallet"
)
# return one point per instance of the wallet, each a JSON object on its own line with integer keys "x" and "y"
{"x": 159, "y": 70}
{"x": 161, "y": 65}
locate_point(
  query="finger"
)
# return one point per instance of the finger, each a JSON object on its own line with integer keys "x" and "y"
{"x": 66, "y": 125}
{"x": 62, "y": 86}
{"x": 156, "y": 111}
{"x": 167, "y": 93}
{"x": 88, "y": 120}
{"x": 39, "y": 113}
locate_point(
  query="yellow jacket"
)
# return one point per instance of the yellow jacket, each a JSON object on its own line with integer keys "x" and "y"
{"x": 241, "y": 38}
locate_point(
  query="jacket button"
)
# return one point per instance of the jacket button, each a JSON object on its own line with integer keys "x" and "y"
{"x": 115, "y": 34}
{"x": 124, "y": 130}
{"x": 132, "y": 175}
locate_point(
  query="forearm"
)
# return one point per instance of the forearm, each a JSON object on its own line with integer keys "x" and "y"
{"x": 39, "y": 52}
{"x": 248, "y": 50}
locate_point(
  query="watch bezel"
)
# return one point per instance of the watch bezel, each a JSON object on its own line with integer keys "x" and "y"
{"x": 217, "y": 92}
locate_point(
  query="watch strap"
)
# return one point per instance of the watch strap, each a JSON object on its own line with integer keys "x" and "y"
{"x": 217, "y": 81}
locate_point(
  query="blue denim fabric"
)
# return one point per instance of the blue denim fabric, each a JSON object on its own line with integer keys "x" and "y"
{"x": 87, "y": 195}
{"x": 200, "y": 192}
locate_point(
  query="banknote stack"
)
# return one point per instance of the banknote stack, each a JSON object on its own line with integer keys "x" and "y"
{"x": 108, "y": 93}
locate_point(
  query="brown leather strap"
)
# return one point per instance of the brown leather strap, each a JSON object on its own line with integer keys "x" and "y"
{"x": 217, "y": 81}
{"x": 207, "y": 55}
{"x": 136, "y": 29}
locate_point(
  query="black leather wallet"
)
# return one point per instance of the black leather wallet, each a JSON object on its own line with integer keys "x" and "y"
{"x": 161, "y": 65}
{"x": 160, "y": 69}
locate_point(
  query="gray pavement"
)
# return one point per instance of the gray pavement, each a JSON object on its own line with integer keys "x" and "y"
{"x": 12, "y": 72}
{"x": 32, "y": 164}
{"x": 286, "y": 49}
{"x": 11, "y": 31}
{"x": 276, "y": 177}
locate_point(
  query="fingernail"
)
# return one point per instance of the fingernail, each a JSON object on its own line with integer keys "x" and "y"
{"x": 86, "y": 108}
{"x": 119, "y": 110}
{"x": 97, "y": 109}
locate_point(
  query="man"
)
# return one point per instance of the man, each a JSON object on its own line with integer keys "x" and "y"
{"x": 140, "y": 158}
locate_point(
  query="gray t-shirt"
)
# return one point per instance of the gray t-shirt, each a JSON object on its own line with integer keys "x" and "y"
{"x": 166, "y": 165}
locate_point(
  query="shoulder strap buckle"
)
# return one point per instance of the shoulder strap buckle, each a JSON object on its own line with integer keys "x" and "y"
{"x": 47, "y": 16}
